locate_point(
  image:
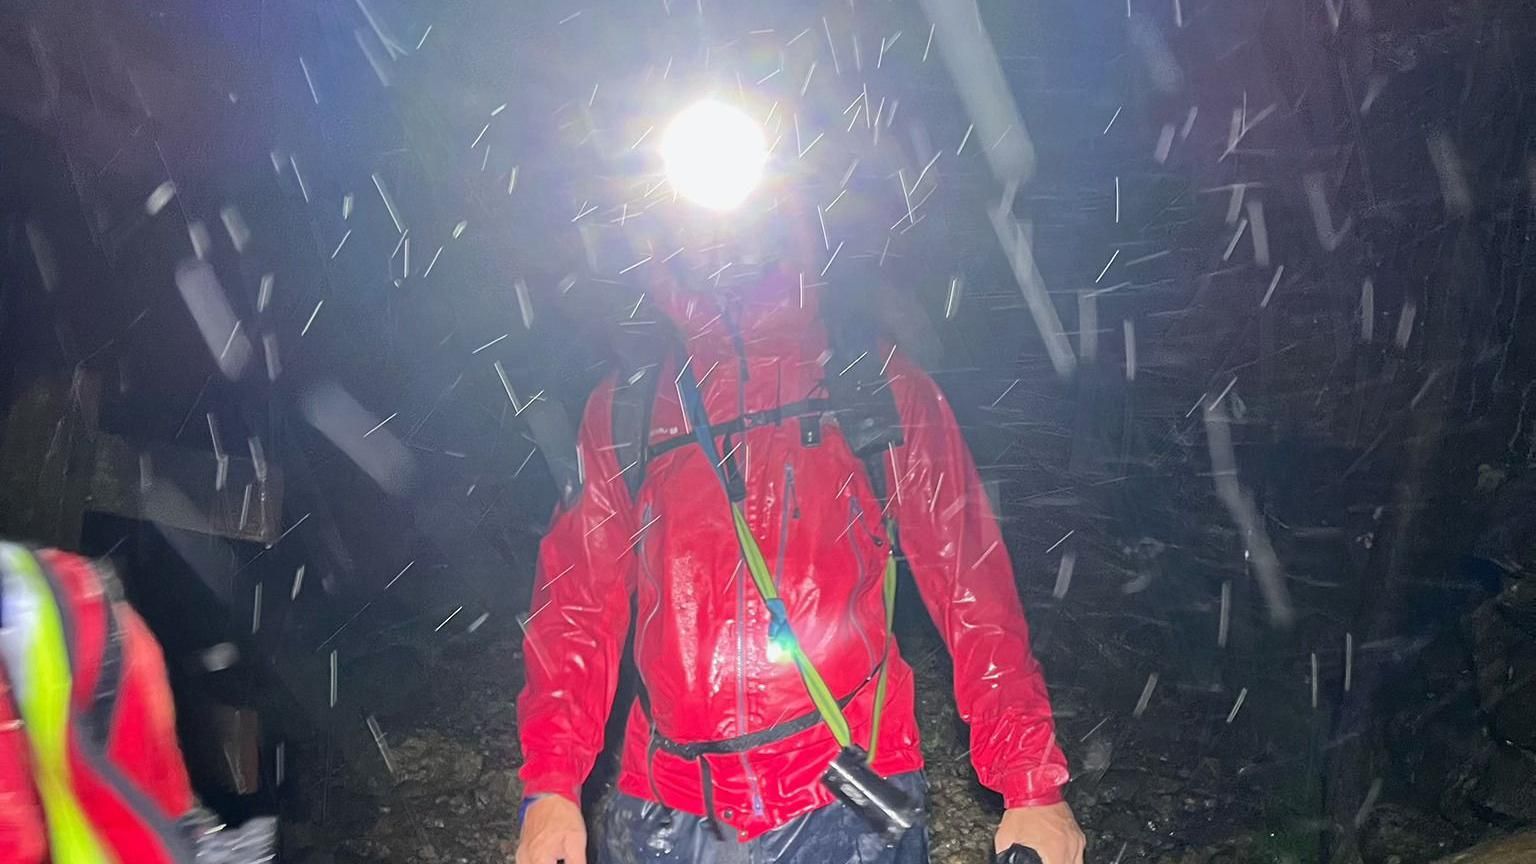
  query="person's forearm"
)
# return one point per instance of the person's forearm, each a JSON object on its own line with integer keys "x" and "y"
{"x": 572, "y": 660}
{"x": 574, "y": 634}
{"x": 955, "y": 548}
{"x": 1013, "y": 738}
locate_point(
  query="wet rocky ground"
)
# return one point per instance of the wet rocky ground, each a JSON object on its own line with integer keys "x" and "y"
{"x": 1180, "y": 754}
{"x": 439, "y": 784}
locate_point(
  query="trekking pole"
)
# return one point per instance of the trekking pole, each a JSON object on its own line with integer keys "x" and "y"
{"x": 1017, "y": 854}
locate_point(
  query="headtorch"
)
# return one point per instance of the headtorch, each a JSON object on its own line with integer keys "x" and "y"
{"x": 714, "y": 154}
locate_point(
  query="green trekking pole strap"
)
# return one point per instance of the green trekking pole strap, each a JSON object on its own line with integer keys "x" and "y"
{"x": 35, "y": 655}
{"x": 782, "y": 635}
{"x": 889, "y": 592}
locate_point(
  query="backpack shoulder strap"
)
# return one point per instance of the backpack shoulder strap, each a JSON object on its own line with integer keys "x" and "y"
{"x": 857, "y": 389}
{"x": 862, "y": 400}
{"x": 634, "y": 399}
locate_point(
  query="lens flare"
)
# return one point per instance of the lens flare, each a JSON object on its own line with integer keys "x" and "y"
{"x": 714, "y": 154}
{"x": 780, "y": 652}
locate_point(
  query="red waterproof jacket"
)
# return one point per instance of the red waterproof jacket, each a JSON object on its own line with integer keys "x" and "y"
{"x": 701, "y": 639}
{"x": 133, "y": 786}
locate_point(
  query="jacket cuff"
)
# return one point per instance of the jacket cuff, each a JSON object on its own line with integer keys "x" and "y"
{"x": 1042, "y": 800}
{"x": 552, "y": 787}
{"x": 1040, "y": 787}
{"x": 541, "y": 777}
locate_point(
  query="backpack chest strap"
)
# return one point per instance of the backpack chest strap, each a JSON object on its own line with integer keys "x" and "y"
{"x": 805, "y": 409}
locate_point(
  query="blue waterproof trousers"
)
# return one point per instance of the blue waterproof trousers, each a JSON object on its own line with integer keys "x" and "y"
{"x": 635, "y": 831}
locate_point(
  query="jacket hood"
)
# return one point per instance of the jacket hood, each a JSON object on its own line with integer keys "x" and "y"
{"x": 774, "y": 305}
{"x": 770, "y": 300}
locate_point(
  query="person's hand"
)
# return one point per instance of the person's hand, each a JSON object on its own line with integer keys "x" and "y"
{"x": 1050, "y": 830}
{"x": 553, "y": 831}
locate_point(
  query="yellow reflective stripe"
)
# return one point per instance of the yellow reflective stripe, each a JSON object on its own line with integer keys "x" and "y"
{"x": 44, "y": 702}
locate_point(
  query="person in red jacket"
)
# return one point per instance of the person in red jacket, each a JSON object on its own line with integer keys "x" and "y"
{"x": 725, "y": 752}
{"x": 90, "y": 769}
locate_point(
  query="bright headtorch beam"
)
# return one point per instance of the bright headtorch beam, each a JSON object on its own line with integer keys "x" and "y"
{"x": 714, "y": 154}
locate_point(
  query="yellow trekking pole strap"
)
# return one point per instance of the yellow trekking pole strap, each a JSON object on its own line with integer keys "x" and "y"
{"x": 780, "y": 634}
{"x": 889, "y": 592}
{"x": 35, "y": 653}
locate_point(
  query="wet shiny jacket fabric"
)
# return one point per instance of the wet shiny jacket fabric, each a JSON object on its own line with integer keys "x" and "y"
{"x": 701, "y": 632}
{"x": 133, "y": 786}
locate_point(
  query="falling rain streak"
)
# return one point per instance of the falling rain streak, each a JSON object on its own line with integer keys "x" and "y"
{"x": 1355, "y": 253}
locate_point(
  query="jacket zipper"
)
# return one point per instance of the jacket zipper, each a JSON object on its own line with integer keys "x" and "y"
{"x": 855, "y": 516}
{"x": 741, "y": 586}
{"x": 645, "y": 570}
{"x": 790, "y": 509}
{"x": 741, "y": 686}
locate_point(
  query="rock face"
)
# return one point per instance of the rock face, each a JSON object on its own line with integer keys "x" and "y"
{"x": 1504, "y": 632}
{"x": 1463, "y": 737}
{"x": 1507, "y": 785}
{"x": 1519, "y": 849}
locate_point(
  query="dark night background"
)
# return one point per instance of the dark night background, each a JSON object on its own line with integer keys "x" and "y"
{"x": 1272, "y": 527}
